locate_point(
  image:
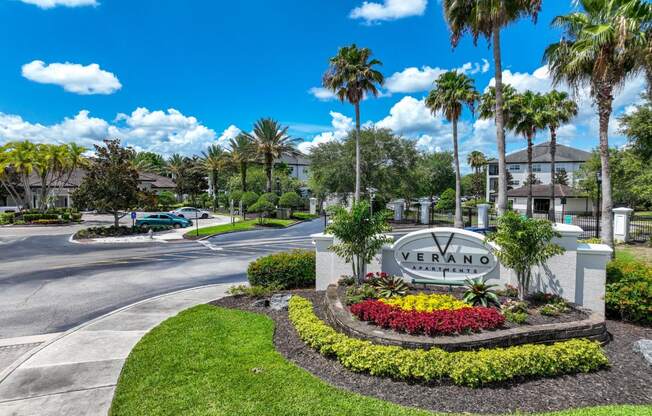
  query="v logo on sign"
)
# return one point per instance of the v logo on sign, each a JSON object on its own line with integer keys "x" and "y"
{"x": 448, "y": 243}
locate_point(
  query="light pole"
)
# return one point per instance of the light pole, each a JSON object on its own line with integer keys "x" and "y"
{"x": 598, "y": 179}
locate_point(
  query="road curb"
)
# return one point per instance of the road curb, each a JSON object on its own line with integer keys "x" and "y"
{"x": 4, "y": 374}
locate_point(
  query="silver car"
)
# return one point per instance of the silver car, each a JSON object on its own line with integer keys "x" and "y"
{"x": 191, "y": 213}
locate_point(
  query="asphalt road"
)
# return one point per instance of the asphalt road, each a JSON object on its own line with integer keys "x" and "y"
{"x": 48, "y": 284}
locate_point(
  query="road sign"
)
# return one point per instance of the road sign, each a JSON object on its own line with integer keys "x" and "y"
{"x": 133, "y": 215}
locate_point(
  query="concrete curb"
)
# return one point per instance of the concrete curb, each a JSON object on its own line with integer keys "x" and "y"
{"x": 9, "y": 370}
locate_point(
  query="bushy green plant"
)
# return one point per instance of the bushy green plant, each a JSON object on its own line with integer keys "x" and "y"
{"x": 270, "y": 197}
{"x": 236, "y": 196}
{"x": 446, "y": 201}
{"x": 390, "y": 286}
{"x": 508, "y": 291}
{"x": 253, "y": 291}
{"x": 515, "y": 317}
{"x": 356, "y": 294}
{"x": 289, "y": 200}
{"x": 264, "y": 208}
{"x": 248, "y": 199}
{"x": 523, "y": 243}
{"x": 346, "y": 281}
{"x": 7, "y": 218}
{"x": 360, "y": 235}
{"x": 630, "y": 299}
{"x": 467, "y": 368}
{"x": 479, "y": 293}
{"x": 304, "y": 216}
{"x": 295, "y": 269}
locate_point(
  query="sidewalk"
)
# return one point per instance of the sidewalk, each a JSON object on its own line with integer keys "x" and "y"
{"x": 76, "y": 373}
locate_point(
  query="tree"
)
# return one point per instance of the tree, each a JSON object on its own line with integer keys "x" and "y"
{"x": 486, "y": 19}
{"x": 435, "y": 173}
{"x": 531, "y": 180}
{"x": 262, "y": 207}
{"x": 452, "y": 92}
{"x": 193, "y": 178}
{"x": 560, "y": 178}
{"x": 241, "y": 154}
{"x": 111, "y": 183}
{"x": 527, "y": 119}
{"x": 599, "y": 49}
{"x": 351, "y": 76}
{"x": 637, "y": 126}
{"x": 446, "y": 201}
{"x": 271, "y": 142}
{"x": 523, "y": 243}
{"x": 213, "y": 160}
{"x": 149, "y": 162}
{"x": 289, "y": 200}
{"x": 476, "y": 160}
{"x": 558, "y": 109}
{"x": 174, "y": 167}
{"x": 359, "y": 235}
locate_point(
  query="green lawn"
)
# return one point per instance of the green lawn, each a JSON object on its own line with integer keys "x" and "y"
{"x": 215, "y": 361}
{"x": 239, "y": 226}
{"x": 634, "y": 253}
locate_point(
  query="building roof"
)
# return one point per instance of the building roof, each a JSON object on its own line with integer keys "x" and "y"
{"x": 543, "y": 191}
{"x": 541, "y": 154}
{"x": 156, "y": 181}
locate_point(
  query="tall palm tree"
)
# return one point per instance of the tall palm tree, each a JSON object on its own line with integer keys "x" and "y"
{"x": 558, "y": 109}
{"x": 476, "y": 160}
{"x": 213, "y": 160}
{"x": 175, "y": 167}
{"x": 486, "y": 18}
{"x": 599, "y": 49}
{"x": 271, "y": 142}
{"x": 242, "y": 153}
{"x": 21, "y": 156}
{"x": 526, "y": 120}
{"x": 451, "y": 93}
{"x": 351, "y": 75}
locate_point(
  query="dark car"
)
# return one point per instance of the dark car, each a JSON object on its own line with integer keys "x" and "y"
{"x": 484, "y": 230}
{"x": 164, "y": 219}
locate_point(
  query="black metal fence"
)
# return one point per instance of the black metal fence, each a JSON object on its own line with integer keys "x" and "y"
{"x": 640, "y": 228}
{"x": 587, "y": 221}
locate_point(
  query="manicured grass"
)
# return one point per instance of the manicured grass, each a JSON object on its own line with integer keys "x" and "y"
{"x": 215, "y": 361}
{"x": 634, "y": 253}
{"x": 239, "y": 226}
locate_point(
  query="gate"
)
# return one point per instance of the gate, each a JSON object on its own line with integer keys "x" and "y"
{"x": 640, "y": 228}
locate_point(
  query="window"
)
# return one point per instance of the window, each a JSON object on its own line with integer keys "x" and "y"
{"x": 536, "y": 167}
{"x": 493, "y": 169}
{"x": 559, "y": 169}
{"x": 514, "y": 183}
{"x": 514, "y": 168}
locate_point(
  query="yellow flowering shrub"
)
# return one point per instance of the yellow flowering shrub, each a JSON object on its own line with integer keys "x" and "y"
{"x": 426, "y": 303}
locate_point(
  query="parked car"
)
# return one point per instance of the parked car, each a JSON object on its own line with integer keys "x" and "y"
{"x": 10, "y": 209}
{"x": 190, "y": 212}
{"x": 485, "y": 231}
{"x": 164, "y": 219}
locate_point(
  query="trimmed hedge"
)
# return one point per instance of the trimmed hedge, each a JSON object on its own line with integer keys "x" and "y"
{"x": 7, "y": 218}
{"x": 295, "y": 269}
{"x": 122, "y": 231}
{"x": 467, "y": 368}
{"x": 629, "y": 291}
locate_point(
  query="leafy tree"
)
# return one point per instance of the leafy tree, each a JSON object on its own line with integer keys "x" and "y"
{"x": 174, "y": 167}
{"x": 476, "y": 160}
{"x": 360, "y": 235}
{"x": 637, "y": 126}
{"x": 270, "y": 197}
{"x": 248, "y": 199}
{"x": 242, "y": 153}
{"x": 452, "y": 92}
{"x": 446, "y": 201}
{"x": 166, "y": 199}
{"x": 600, "y": 48}
{"x": 271, "y": 142}
{"x": 192, "y": 179}
{"x": 531, "y": 180}
{"x": 149, "y": 162}
{"x": 435, "y": 173}
{"x": 561, "y": 178}
{"x": 289, "y": 200}
{"x": 478, "y": 184}
{"x": 351, "y": 76}
{"x": 264, "y": 208}
{"x": 111, "y": 183}
{"x": 558, "y": 109}
{"x": 486, "y": 19}
{"x": 523, "y": 243}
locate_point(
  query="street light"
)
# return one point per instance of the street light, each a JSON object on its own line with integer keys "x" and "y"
{"x": 372, "y": 195}
{"x": 598, "y": 179}
{"x": 278, "y": 186}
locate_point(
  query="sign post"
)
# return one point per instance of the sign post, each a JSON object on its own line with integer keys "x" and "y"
{"x": 133, "y": 219}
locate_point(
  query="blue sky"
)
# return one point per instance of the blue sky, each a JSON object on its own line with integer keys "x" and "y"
{"x": 174, "y": 76}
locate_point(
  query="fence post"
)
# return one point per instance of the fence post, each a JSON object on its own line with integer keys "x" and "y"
{"x": 483, "y": 215}
{"x": 622, "y": 217}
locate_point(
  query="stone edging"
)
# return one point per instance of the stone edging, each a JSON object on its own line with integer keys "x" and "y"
{"x": 593, "y": 328}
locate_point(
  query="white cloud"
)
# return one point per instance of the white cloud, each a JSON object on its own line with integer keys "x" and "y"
{"x": 341, "y": 126}
{"x": 322, "y": 94}
{"x": 411, "y": 116}
{"x": 48, "y": 4}
{"x": 389, "y": 10}
{"x": 231, "y": 132}
{"x": 415, "y": 79}
{"x": 76, "y": 78}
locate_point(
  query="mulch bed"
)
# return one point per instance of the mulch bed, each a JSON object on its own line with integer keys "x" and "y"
{"x": 627, "y": 381}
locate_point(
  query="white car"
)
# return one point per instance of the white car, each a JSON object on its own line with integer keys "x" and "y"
{"x": 191, "y": 213}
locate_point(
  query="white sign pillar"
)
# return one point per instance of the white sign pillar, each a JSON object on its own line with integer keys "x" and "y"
{"x": 313, "y": 206}
{"x": 622, "y": 216}
{"x": 398, "y": 211}
{"x": 424, "y": 211}
{"x": 483, "y": 215}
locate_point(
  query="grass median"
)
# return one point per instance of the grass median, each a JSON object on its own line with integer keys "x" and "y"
{"x": 239, "y": 226}
{"x": 216, "y": 361}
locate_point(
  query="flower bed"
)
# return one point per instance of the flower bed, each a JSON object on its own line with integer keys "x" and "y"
{"x": 112, "y": 231}
{"x": 426, "y": 302}
{"x": 468, "y": 368}
{"x": 437, "y": 322}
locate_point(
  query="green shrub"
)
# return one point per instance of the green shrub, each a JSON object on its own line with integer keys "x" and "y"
{"x": 248, "y": 199}
{"x": 304, "y": 216}
{"x": 295, "y": 269}
{"x": 516, "y": 317}
{"x": 263, "y": 207}
{"x": 467, "y": 368}
{"x": 37, "y": 217}
{"x": 112, "y": 231}
{"x": 289, "y": 200}
{"x": 270, "y": 197}
{"x": 629, "y": 291}
{"x": 446, "y": 200}
{"x": 7, "y": 218}
{"x": 236, "y": 196}
{"x": 357, "y": 294}
{"x": 253, "y": 291}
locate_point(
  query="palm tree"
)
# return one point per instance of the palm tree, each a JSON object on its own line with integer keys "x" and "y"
{"x": 213, "y": 160}
{"x": 526, "y": 120}
{"x": 476, "y": 160}
{"x": 452, "y": 91}
{"x": 599, "y": 49}
{"x": 486, "y": 18}
{"x": 175, "y": 167}
{"x": 351, "y": 76}
{"x": 271, "y": 142}
{"x": 558, "y": 109}
{"x": 241, "y": 153}
{"x": 21, "y": 157}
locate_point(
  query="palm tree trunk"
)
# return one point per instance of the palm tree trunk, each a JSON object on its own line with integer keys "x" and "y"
{"x": 530, "y": 176}
{"x": 243, "y": 175}
{"x": 553, "y": 152}
{"x": 268, "y": 171}
{"x": 500, "y": 125}
{"x": 605, "y": 100}
{"x": 458, "y": 180}
{"x": 357, "y": 152}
